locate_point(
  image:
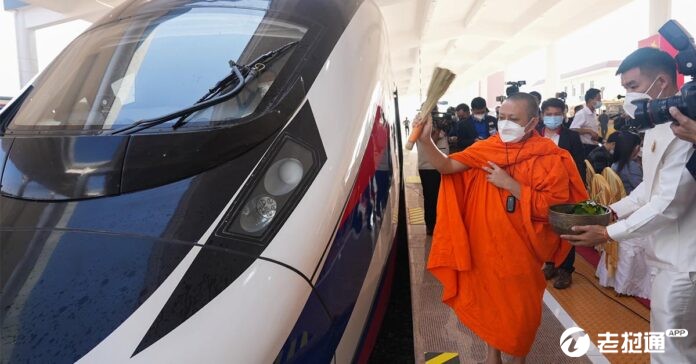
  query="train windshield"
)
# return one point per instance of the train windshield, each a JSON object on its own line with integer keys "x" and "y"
{"x": 154, "y": 64}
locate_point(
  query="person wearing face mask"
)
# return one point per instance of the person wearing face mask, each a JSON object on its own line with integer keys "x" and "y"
{"x": 490, "y": 271}
{"x": 585, "y": 121}
{"x": 661, "y": 209}
{"x": 462, "y": 134}
{"x": 553, "y": 113}
{"x": 485, "y": 124}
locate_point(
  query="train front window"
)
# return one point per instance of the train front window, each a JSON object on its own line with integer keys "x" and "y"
{"x": 155, "y": 64}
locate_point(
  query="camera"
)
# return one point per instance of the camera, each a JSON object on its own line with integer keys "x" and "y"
{"x": 562, "y": 95}
{"x": 500, "y": 98}
{"x": 514, "y": 87}
{"x": 442, "y": 121}
{"x": 652, "y": 112}
{"x": 516, "y": 83}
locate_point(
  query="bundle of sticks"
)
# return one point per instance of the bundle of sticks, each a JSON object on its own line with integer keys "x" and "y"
{"x": 439, "y": 83}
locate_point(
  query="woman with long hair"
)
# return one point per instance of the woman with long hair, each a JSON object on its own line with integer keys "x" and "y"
{"x": 625, "y": 164}
{"x": 632, "y": 276}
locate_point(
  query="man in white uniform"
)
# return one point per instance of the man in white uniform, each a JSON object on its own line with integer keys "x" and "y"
{"x": 585, "y": 121}
{"x": 662, "y": 208}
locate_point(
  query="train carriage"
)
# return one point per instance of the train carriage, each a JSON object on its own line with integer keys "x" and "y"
{"x": 203, "y": 181}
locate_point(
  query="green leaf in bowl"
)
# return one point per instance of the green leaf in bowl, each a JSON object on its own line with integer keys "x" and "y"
{"x": 588, "y": 207}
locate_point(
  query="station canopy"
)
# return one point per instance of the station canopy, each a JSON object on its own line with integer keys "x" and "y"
{"x": 472, "y": 37}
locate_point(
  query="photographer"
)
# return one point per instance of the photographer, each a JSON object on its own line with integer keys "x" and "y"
{"x": 661, "y": 209}
{"x": 430, "y": 177}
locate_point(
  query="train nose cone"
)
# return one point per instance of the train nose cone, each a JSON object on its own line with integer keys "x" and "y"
{"x": 65, "y": 292}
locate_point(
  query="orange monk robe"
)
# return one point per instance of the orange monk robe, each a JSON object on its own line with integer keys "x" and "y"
{"x": 489, "y": 260}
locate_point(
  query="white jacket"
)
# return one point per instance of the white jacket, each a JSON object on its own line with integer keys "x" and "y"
{"x": 663, "y": 207}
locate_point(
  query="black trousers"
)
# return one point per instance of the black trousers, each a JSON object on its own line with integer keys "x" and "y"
{"x": 430, "y": 180}
{"x": 568, "y": 263}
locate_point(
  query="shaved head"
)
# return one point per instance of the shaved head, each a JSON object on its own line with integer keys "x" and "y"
{"x": 530, "y": 103}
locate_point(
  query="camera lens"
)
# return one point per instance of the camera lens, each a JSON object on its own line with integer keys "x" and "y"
{"x": 652, "y": 112}
{"x": 659, "y": 109}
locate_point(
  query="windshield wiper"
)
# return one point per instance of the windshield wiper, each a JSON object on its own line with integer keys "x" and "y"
{"x": 239, "y": 77}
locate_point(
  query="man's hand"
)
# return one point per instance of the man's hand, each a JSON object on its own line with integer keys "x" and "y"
{"x": 427, "y": 146}
{"x": 594, "y": 135}
{"x": 501, "y": 179}
{"x": 590, "y": 235}
{"x": 685, "y": 128}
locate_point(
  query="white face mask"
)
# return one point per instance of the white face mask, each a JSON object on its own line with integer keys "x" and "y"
{"x": 510, "y": 132}
{"x": 479, "y": 116}
{"x": 628, "y": 104}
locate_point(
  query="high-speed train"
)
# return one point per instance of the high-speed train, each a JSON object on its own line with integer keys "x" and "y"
{"x": 203, "y": 181}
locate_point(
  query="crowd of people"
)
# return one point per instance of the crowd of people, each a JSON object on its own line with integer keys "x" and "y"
{"x": 488, "y": 182}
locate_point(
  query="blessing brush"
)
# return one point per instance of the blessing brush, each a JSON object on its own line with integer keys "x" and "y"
{"x": 439, "y": 83}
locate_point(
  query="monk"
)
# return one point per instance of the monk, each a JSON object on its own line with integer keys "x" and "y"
{"x": 492, "y": 235}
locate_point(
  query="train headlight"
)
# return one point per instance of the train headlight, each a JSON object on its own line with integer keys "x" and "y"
{"x": 258, "y": 213}
{"x": 272, "y": 191}
{"x": 283, "y": 176}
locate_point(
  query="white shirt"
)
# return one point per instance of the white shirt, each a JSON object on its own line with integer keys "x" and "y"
{"x": 663, "y": 207}
{"x": 442, "y": 144}
{"x": 553, "y": 135}
{"x": 586, "y": 119}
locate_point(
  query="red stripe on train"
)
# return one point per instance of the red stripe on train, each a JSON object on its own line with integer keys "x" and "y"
{"x": 376, "y": 146}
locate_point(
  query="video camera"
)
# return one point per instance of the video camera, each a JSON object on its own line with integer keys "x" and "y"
{"x": 442, "y": 120}
{"x": 514, "y": 87}
{"x": 516, "y": 83}
{"x": 562, "y": 95}
{"x": 652, "y": 112}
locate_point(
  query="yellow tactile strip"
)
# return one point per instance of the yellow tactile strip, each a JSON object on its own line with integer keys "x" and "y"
{"x": 416, "y": 216}
{"x": 596, "y": 313}
{"x": 413, "y": 179}
{"x": 441, "y": 358}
